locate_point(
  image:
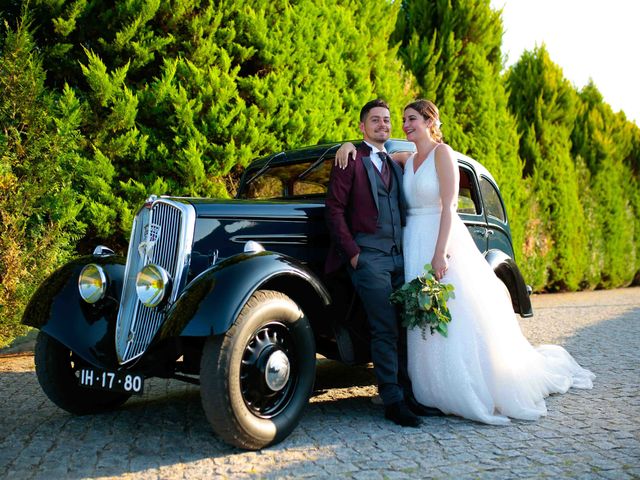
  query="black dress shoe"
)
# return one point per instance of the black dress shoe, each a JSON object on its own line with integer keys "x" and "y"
{"x": 422, "y": 410}
{"x": 400, "y": 414}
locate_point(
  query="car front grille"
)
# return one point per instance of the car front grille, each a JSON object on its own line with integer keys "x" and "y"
{"x": 162, "y": 234}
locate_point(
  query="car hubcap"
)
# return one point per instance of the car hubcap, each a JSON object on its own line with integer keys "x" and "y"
{"x": 267, "y": 375}
{"x": 277, "y": 372}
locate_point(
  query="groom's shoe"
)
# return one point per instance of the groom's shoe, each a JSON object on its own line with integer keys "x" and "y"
{"x": 422, "y": 410}
{"x": 400, "y": 414}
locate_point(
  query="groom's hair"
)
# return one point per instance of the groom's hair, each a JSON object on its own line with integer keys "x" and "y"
{"x": 378, "y": 102}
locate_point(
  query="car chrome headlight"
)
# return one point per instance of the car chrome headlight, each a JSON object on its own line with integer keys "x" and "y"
{"x": 152, "y": 285}
{"x": 92, "y": 283}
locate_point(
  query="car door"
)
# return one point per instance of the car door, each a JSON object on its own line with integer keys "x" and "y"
{"x": 470, "y": 208}
{"x": 498, "y": 232}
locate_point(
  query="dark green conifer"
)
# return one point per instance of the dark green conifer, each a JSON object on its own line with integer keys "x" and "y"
{"x": 604, "y": 141}
{"x": 178, "y": 96}
{"x": 38, "y": 163}
{"x": 545, "y": 106}
{"x": 453, "y": 49}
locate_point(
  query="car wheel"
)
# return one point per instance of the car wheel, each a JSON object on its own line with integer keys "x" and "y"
{"x": 57, "y": 371}
{"x": 256, "y": 379}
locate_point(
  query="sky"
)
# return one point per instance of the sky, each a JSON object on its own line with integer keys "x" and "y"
{"x": 586, "y": 39}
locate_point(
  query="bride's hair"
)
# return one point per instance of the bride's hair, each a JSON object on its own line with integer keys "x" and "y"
{"x": 429, "y": 111}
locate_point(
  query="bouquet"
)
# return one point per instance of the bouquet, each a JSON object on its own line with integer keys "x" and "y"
{"x": 423, "y": 303}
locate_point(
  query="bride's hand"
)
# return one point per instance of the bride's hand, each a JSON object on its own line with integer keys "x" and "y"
{"x": 440, "y": 265}
{"x": 343, "y": 153}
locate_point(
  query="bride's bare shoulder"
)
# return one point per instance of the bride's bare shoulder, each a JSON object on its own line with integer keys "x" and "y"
{"x": 443, "y": 152}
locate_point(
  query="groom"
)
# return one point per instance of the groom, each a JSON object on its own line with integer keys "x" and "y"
{"x": 365, "y": 213}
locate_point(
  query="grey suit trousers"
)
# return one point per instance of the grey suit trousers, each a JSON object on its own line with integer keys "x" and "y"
{"x": 375, "y": 277}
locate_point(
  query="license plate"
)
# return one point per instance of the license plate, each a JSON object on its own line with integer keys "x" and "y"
{"x": 111, "y": 381}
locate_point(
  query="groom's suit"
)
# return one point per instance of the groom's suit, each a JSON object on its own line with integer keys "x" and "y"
{"x": 352, "y": 207}
{"x": 365, "y": 216}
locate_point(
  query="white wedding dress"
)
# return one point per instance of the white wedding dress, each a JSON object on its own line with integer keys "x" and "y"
{"x": 485, "y": 369}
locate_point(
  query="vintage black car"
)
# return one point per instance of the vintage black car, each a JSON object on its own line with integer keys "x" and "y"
{"x": 230, "y": 295}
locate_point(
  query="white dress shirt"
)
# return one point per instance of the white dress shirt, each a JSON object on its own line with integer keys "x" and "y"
{"x": 375, "y": 158}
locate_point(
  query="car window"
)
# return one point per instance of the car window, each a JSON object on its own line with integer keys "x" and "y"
{"x": 265, "y": 186}
{"x": 304, "y": 188}
{"x": 492, "y": 201}
{"x": 468, "y": 199}
{"x": 314, "y": 182}
{"x": 291, "y": 181}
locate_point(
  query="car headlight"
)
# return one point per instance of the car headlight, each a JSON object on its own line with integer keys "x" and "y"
{"x": 152, "y": 284}
{"x": 92, "y": 283}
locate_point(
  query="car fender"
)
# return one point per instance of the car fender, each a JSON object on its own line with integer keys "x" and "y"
{"x": 212, "y": 301}
{"x": 57, "y": 309}
{"x": 508, "y": 272}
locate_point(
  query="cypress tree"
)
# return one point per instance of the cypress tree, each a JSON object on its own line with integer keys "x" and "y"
{"x": 633, "y": 188}
{"x": 39, "y": 146}
{"x": 605, "y": 141}
{"x": 453, "y": 49}
{"x": 545, "y": 106}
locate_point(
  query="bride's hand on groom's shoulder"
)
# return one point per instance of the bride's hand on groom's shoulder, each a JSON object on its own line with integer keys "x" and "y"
{"x": 345, "y": 151}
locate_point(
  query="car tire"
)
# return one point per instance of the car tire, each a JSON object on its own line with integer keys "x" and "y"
{"x": 256, "y": 379}
{"x": 56, "y": 369}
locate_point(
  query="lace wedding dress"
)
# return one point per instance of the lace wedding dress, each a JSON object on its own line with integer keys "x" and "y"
{"x": 485, "y": 369}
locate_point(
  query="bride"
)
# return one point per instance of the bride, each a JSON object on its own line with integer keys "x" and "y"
{"x": 485, "y": 369}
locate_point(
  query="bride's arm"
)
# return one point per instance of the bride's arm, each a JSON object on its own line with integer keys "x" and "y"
{"x": 448, "y": 179}
{"x": 348, "y": 151}
{"x": 342, "y": 155}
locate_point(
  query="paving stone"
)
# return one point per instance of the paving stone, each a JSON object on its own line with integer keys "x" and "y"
{"x": 164, "y": 433}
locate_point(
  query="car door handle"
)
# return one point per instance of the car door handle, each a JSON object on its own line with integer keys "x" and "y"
{"x": 484, "y": 232}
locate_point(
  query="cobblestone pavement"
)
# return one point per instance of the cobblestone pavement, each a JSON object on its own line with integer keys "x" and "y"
{"x": 164, "y": 434}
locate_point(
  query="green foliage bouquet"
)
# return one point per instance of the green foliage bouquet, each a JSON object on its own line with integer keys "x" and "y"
{"x": 423, "y": 303}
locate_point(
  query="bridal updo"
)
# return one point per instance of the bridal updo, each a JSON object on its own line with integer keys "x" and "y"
{"x": 428, "y": 110}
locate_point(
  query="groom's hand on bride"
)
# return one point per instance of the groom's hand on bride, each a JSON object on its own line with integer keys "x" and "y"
{"x": 354, "y": 261}
{"x": 346, "y": 151}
